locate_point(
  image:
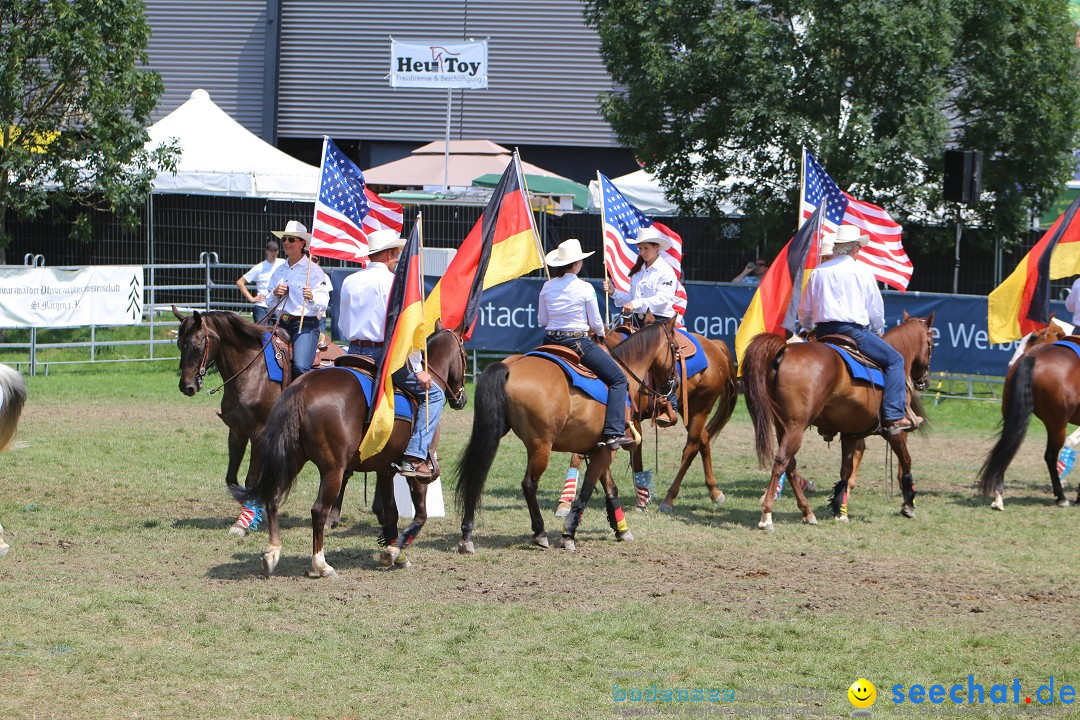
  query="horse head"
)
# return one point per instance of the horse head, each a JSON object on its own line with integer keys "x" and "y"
{"x": 917, "y": 345}
{"x": 446, "y": 358}
{"x": 194, "y": 340}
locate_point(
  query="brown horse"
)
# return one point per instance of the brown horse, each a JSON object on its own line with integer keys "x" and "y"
{"x": 1051, "y": 333}
{"x": 321, "y": 418}
{"x": 791, "y": 387}
{"x": 1046, "y": 381}
{"x": 532, "y": 397}
{"x": 12, "y": 399}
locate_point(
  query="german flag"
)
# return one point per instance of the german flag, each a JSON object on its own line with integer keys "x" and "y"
{"x": 1021, "y": 304}
{"x": 405, "y": 334}
{"x": 775, "y": 305}
{"x": 501, "y": 246}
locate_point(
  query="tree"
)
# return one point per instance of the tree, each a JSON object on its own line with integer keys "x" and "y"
{"x": 718, "y": 96}
{"x": 74, "y": 106}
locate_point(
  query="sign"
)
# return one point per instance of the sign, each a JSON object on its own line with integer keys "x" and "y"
{"x": 438, "y": 64}
{"x": 39, "y": 297}
{"x": 507, "y": 320}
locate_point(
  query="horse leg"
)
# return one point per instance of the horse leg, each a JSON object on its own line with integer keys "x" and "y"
{"x": 335, "y": 512}
{"x": 800, "y": 495}
{"x": 4, "y": 547}
{"x": 789, "y": 440}
{"x": 251, "y": 515}
{"x": 573, "y": 520}
{"x": 851, "y": 450}
{"x": 569, "y": 485}
{"x": 385, "y": 489}
{"x": 697, "y": 441}
{"x": 329, "y": 490}
{"x": 237, "y": 447}
{"x": 898, "y": 443}
{"x": 534, "y": 469}
{"x": 616, "y": 518}
{"x": 418, "y": 494}
{"x": 643, "y": 479}
{"x": 1054, "y": 442}
{"x": 272, "y": 554}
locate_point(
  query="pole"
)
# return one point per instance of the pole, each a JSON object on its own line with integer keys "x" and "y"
{"x": 802, "y": 189}
{"x": 303, "y": 305}
{"x": 603, "y": 245}
{"x": 528, "y": 201}
{"x": 446, "y": 150}
{"x": 420, "y": 258}
{"x": 956, "y": 266}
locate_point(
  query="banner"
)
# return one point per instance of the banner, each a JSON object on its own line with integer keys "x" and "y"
{"x": 438, "y": 64}
{"x": 41, "y": 297}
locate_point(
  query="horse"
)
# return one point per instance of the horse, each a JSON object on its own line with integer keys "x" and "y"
{"x": 236, "y": 347}
{"x": 321, "y": 417}
{"x": 1051, "y": 333}
{"x": 532, "y": 396}
{"x": 12, "y": 399}
{"x": 1046, "y": 382}
{"x": 790, "y": 387}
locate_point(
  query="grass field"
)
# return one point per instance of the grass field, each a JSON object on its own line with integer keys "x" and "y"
{"x": 124, "y": 597}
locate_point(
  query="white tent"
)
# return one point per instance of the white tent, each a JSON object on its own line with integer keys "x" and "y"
{"x": 221, "y": 157}
{"x": 645, "y": 192}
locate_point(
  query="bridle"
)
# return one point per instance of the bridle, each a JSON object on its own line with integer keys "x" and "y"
{"x": 458, "y": 398}
{"x": 673, "y": 379}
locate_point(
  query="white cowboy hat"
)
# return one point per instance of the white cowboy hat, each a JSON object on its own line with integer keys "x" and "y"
{"x": 293, "y": 229}
{"x": 385, "y": 239}
{"x": 569, "y": 251}
{"x": 826, "y": 245}
{"x": 650, "y": 235}
{"x": 848, "y": 234}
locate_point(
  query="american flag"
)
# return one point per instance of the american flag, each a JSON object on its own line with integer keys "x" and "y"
{"x": 622, "y": 221}
{"x": 346, "y": 210}
{"x": 885, "y": 254}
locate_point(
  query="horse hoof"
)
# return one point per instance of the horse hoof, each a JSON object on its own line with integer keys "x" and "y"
{"x": 562, "y": 511}
{"x": 389, "y": 556}
{"x": 1062, "y": 503}
{"x": 665, "y": 508}
{"x": 541, "y": 541}
{"x": 237, "y": 530}
{"x": 908, "y": 511}
{"x": 641, "y": 508}
{"x": 767, "y": 527}
{"x": 810, "y": 519}
{"x": 466, "y": 547}
{"x": 402, "y": 563}
{"x": 625, "y": 537}
{"x": 329, "y": 572}
{"x": 719, "y": 500}
{"x": 840, "y": 518}
{"x": 568, "y": 544}
{"x": 269, "y": 561}
{"x": 997, "y": 505}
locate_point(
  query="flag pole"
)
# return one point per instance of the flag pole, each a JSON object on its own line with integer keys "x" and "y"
{"x": 802, "y": 188}
{"x": 420, "y": 258}
{"x": 307, "y": 277}
{"x": 603, "y": 245}
{"x": 528, "y": 201}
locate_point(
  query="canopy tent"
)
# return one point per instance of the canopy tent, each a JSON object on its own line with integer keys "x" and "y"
{"x": 221, "y": 157}
{"x": 469, "y": 159}
{"x": 646, "y": 193}
{"x": 547, "y": 185}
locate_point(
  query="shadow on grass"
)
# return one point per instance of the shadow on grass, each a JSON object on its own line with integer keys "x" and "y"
{"x": 294, "y": 562}
{"x": 224, "y": 523}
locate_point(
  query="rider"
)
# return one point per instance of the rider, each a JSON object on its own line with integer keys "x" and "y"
{"x": 842, "y": 298}
{"x": 364, "y": 298}
{"x": 260, "y": 275}
{"x": 652, "y": 281}
{"x": 306, "y": 289}
{"x": 568, "y": 309}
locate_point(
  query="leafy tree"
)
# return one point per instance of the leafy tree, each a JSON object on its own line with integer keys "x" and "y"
{"x": 718, "y": 96}
{"x": 74, "y": 106}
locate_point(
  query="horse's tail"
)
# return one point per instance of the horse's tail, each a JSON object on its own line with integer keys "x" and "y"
{"x": 756, "y": 364}
{"x": 728, "y": 398}
{"x": 489, "y": 425}
{"x": 1013, "y": 426}
{"x": 12, "y": 399}
{"x": 279, "y": 447}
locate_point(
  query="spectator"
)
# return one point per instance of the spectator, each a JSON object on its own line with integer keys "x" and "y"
{"x": 1071, "y": 303}
{"x": 260, "y": 275}
{"x": 752, "y": 273}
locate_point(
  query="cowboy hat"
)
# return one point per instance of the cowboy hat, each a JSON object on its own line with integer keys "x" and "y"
{"x": 848, "y": 234}
{"x": 826, "y": 245}
{"x": 385, "y": 239}
{"x": 293, "y": 229}
{"x": 569, "y": 251}
{"x": 651, "y": 235}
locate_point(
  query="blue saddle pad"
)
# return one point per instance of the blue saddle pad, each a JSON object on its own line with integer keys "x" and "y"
{"x": 273, "y": 370}
{"x": 858, "y": 370}
{"x": 402, "y": 406}
{"x": 1072, "y": 346}
{"x": 594, "y": 388}
{"x": 699, "y": 361}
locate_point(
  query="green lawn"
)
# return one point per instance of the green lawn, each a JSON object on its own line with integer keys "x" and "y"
{"x": 124, "y": 597}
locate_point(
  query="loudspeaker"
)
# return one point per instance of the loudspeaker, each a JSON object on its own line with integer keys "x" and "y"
{"x": 963, "y": 176}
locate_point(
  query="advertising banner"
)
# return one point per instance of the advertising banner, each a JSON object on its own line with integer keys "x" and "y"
{"x": 438, "y": 64}
{"x": 40, "y": 297}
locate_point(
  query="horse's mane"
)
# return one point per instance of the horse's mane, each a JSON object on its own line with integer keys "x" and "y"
{"x": 220, "y": 320}
{"x": 908, "y": 337}
{"x": 638, "y": 346}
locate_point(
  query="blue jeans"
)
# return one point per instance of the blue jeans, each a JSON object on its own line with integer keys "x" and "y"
{"x": 427, "y": 420}
{"x": 870, "y": 344}
{"x": 609, "y": 372}
{"x": 258, "y": 313}
{"x": 305, "y": 342}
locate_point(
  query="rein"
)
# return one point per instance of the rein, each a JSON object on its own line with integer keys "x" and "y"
{"x": 642, "y": 386}
{"x": 206, "y": 351}
{"x": 443, "y": 381}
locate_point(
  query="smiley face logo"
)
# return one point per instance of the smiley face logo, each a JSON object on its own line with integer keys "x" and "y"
{"x": 862, "y": 693}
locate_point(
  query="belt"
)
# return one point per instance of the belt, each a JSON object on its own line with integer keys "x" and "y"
{"x": 560, "y": 334}
{"x": 364, "y": 344}
{"x": 286, "y": 317}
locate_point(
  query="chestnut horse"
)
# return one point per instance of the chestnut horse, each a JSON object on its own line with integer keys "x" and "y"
{"x": 322, "y": 418}
{"x": 791, "y": 387}
{"x": 12, "y": 399}
{"x": 1045, "y": 381}
{"x": 532, "y": 397}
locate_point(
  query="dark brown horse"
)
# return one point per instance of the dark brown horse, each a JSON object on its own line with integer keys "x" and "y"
{"x": 532, "y": 397}
{"x": 1045, "y": 381}
{"x": 791, "y": 387}
{"x": 321, "y": 418}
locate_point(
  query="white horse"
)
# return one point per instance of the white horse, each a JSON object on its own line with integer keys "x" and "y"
{"x": 12, "y": 399}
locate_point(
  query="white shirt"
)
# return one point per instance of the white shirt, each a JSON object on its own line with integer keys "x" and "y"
{"x": 297, "y": 277}
{"x": 1070, "y": 302}
{"x": 260, "y": 275}
{"x": 842, "y": 290}
{"x": 365, "y": 296}
{"x": 568, "y": 303}
{"x": 651, "y": 288}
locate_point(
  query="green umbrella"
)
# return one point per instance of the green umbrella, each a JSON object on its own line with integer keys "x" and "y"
{"x": 544, "y": 185}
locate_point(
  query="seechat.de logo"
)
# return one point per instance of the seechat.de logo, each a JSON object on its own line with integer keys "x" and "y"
{"x": 862, "y": 695}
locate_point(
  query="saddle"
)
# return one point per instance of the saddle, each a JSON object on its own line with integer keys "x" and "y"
{"x": 571, "y": 357}
{"x": 325, "y": 354}
{"x": 849, "y": 345}
{"x": 366, "y": 365}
